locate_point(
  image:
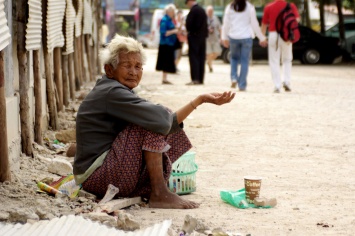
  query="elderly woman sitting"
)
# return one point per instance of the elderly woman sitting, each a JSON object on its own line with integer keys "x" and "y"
{"x": 127, "y": 141}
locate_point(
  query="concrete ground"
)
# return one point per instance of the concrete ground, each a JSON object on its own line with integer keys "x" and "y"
{"x": 302, "y": 143}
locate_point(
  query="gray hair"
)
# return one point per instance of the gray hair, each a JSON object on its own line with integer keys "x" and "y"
{"x": 209, "y": 8}
{"x": 121, "y": 44}
{"x": 169, "y": 7}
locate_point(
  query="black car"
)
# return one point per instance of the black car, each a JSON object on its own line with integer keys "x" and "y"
{"x": 312, "y": 48}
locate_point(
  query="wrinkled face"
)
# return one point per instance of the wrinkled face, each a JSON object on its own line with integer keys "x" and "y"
{"x": 128, "y": 71}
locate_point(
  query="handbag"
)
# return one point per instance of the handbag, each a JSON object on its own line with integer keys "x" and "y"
{"x": 182, "y": 37}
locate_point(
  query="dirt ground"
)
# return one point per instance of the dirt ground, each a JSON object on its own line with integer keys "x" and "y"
{"x": 302, "y": 143}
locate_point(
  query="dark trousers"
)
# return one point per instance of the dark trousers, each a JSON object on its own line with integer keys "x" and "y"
{"x": 197, "y": 57}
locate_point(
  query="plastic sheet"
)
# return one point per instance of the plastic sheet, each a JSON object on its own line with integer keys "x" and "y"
{"x": 237, "y": 199}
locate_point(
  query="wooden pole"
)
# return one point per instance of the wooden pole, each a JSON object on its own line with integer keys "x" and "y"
{"x": 26, "y": 130}
{"x": 71, "y": 76}
{"x": 65, "y": 80}
{"x": 98, "y": 41}
{"x": 85, "y": 77}
{"x": 57, "y": 57}
{"x": 48, "y": 64}
{"x": 56, "y": 95}
{"x": 89, "y": 56}
{"x": 97, "y": 61}
{"x": 38, "y": 97}
{"x": 93, "y": 61}
{"x": 77, "y": 67}
{"x": 53, "y": 116}
{"x": 5, "y": 174}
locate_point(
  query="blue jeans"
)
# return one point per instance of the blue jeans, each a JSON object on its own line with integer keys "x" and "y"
{"x": 240, "y": 53}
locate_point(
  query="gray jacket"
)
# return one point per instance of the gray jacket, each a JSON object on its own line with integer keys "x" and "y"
{"x": 106, "y": 111}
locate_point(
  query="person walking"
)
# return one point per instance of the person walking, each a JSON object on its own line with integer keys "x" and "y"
{"x": 213, "y": 46}
{"x": 196, "y": 26}
{"x": 277, "y": 47}
{"x": 167, "y": 44}
{"x": 182, "y": 37}
{"x": 239, "y": 25}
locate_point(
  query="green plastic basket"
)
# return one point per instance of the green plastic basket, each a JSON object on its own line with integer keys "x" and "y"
{"x": 183, "y": 176}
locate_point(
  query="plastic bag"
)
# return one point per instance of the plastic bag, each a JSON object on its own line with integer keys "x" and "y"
{"x": 67, "y": 186}
{"x": 70, "y": 188}
{"x": 237, "y": 199}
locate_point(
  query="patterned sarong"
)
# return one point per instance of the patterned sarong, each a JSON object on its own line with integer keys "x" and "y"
{"x": 124, "y": 165}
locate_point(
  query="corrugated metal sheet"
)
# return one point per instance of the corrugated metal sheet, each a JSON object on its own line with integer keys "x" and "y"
{"x": 87, "y": 29}
{"x": 69, "y": 28}
{"x": 55, "y": 15}
{"x": 34, "y": 25}
{"x": 79, "y": 19}
{"x": 76, "y": 225}
{"x": 5, "y": 36}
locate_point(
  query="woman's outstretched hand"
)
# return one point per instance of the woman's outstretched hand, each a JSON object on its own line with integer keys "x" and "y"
{"x": 217, "y": 98}
{"x": 214, "y": 98}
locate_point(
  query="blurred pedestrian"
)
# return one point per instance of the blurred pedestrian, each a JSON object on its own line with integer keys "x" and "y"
{"x": 213, "y": 43}
{"x": 239, "y": 25}
{"x": 278, "y": 49}
{"x": 182, "y": 36}
{"x": 167, "y": 44}
{"x": 196, "y": 26}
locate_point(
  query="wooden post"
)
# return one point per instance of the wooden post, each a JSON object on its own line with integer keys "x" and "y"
{"x": 71, "y": 76}
{"x": 85, "y": 77}
{"x": 48, "y": 64}
{"x": 53, "y": 116}
{"x": 97, "y": 66}
{"x": 57, "y": 57}
{"x": 38, "y": 97}
{"x": 26, "y": 130}
{"x": 93, "y": 61}
{"x": 89, "y": 56}
{"x": 5, "y": 174}
{"x": 65, "y": 80}
{"x": 98, "y": 42}
{"x": 77, "y": 67}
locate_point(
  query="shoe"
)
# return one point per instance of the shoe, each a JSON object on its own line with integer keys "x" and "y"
{"x": 243, "y": 90}
{"x": 194, "y": 83}
{"x": 234, "y": 85}
{"x": 287, "y": 88}
{"x": 211, "y": 69}
{"x": 276, "y": 90}
{"x": 166, "y": 82}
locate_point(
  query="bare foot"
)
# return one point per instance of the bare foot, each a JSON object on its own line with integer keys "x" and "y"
{"x": 169, "y": 200}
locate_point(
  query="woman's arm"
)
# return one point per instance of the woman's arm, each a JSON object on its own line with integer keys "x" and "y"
{"x": 225, "y": 27}
{"x": 214, "y": 98}
{"x": 171, "y": 32}
{"x": 255, "y": 24}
